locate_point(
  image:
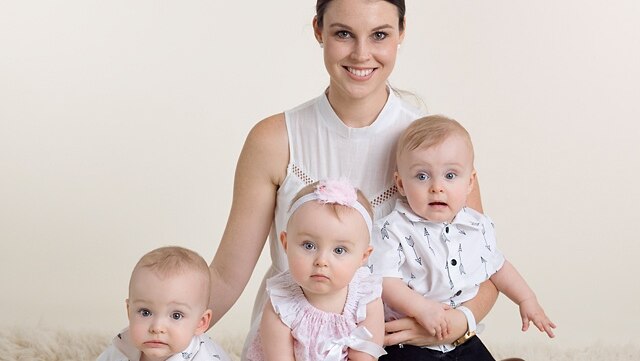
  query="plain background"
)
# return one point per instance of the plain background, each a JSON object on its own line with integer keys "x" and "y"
{"x": 121, "y": 122}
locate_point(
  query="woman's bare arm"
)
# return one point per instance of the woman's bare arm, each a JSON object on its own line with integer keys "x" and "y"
{"x": 260, "y": 169}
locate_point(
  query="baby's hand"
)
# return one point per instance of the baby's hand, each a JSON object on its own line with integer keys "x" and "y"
{"x": 431, "y": 316}
{"x": 531, "y": 311}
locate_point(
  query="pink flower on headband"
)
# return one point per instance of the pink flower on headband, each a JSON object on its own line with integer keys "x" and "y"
{"x": 336, "y": 191}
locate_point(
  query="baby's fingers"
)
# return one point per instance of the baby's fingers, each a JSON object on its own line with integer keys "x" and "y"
{"x": 525, "y": 323}
{"x": 435, "y": 331}
{"x": 445, "y": 329}
{"x": 440, "y": 331}
{"x": 546, "y": 326}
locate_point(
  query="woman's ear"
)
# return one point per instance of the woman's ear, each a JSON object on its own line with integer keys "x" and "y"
{"x": 404, "y": 27}
{"x": 317, "y": 32}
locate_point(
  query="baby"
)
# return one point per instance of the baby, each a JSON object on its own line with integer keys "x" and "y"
{"x": 327, "y": 306}
{"x": 432, "y": 251}
{"x": 168, "y": 311}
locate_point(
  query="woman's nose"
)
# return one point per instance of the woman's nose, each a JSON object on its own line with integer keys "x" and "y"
{"x": 361, "y": 51}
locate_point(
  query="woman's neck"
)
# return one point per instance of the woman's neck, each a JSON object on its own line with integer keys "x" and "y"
{"x": 357, "y": 112}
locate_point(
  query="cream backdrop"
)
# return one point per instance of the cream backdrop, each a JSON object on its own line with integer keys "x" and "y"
{"x": 121, "y": 122}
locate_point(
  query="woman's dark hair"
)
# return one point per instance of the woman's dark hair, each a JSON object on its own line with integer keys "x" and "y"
{"x": 321, "y": 7}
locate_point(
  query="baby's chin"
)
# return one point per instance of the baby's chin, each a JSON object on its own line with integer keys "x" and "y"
{"x": 439, "y": 217}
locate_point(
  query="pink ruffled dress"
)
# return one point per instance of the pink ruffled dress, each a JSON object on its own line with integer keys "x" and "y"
{"x": 320, "y": 335}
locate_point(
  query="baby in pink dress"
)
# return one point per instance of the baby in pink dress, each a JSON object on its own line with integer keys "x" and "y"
{"x": 326, "y": 306}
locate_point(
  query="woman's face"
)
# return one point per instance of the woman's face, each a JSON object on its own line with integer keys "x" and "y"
{"x": 360, "y": 39}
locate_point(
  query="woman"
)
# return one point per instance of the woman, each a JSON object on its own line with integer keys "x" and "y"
{"x": 349, "y": 131}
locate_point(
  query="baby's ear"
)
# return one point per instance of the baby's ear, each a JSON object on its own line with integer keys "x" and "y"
{"x": 472, "y": 181}
{"x": 283, "y": 240}
{"x": 203, "y": 324}
{"x": 399, "y": 185}
{"x": 366, "y": 254}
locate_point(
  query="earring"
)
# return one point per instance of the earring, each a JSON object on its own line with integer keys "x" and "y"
{"x": 399, "y": 46}
{"x": 321, "y": 45}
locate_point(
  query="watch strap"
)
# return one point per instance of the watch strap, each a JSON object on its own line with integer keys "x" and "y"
{"x": 471, "y": 326}
{"x": 471, "y": 320}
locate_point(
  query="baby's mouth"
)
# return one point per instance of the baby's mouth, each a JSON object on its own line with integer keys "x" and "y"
{"x": 441, "y": 204}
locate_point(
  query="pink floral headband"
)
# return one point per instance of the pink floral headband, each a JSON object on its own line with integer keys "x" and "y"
{"x": 335, "y": 192}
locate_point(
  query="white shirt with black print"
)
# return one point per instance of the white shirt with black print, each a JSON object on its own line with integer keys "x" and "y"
{"x": 445, "y": 262}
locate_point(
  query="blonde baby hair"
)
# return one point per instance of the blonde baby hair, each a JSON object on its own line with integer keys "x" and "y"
{"x": 430, "y": 131}
{"x": 172, "y": 260}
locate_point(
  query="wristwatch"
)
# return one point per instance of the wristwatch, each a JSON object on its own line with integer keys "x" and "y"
{"x": 471, "y": 326}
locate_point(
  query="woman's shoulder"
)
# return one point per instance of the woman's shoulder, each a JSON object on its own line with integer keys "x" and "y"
{"x": 266, "y": 150}
{"x": 269, "y": 135}
{"x": 269, "y": 127}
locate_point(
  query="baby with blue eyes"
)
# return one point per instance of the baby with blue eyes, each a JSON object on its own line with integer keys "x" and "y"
{"x": 326, "y": 306}
{"x": 432, "y": 251}
{"x": 168, "y": 311}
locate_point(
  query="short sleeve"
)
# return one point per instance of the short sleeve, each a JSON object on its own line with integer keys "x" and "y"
{"x": 386, "y": 258}
{"x": 495, "y": 258}
{"x": 367, "y": 288}
{"x": 285, "y": 294}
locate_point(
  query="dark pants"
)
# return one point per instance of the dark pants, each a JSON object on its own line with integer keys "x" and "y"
{"x": 472, "y": 350}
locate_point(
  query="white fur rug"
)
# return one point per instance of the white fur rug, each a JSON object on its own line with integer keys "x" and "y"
{"x": 61, "y": 345}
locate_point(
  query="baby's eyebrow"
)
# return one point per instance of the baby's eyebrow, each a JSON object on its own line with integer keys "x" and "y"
{"x": 180, "y": 304}
{"x": 133, "y": 301}
{"x": 346, "y": 241}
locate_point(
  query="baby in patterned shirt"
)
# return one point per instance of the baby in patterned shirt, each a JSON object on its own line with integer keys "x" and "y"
{"x": 168, "y": 311}
{"x": 432, "y": 251}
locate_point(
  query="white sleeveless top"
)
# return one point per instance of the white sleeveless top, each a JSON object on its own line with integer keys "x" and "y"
{"x": 321, "y": 146}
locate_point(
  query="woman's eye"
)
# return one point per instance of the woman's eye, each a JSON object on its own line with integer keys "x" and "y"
{"x": 340, "y": 250}
{"x": 308, "y": 246}
{"x": 379, "y": 35}
{"x": 176, "y": 315}
{"x": 450, "y": 176}
{"x": 343, "y": 34}
{"x": 422, "y": 176}
{"x": 144, "y": 312}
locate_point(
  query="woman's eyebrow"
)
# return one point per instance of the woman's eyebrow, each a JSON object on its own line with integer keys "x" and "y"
{"x": 344, "y": 26}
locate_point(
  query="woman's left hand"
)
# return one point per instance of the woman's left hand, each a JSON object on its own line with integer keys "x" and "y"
{"x": 407, "y": 330}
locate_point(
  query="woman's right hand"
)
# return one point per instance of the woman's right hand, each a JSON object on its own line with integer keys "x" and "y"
{"x": 407, "y": 330}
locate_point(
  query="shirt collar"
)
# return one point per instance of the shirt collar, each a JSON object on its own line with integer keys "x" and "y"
{"x": 123, "y": 343}
{"x": 464, "y": 218}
